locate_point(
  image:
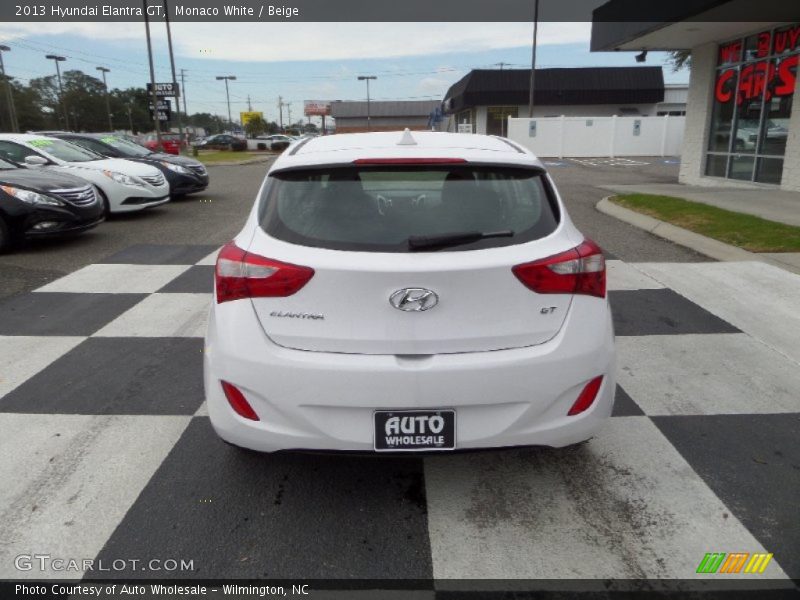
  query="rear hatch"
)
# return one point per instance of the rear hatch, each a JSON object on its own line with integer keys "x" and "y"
{"x": 374, "y": 293}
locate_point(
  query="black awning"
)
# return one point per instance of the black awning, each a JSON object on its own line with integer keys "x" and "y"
{"x": 553, "y": 87}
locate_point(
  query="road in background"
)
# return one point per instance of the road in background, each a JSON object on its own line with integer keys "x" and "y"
{"x": 217, "y": 214}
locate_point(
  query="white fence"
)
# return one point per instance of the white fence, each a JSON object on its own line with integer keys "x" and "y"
{"x": 599, "y": 136}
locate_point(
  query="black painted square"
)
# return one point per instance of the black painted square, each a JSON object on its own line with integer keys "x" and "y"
{"x": 195, "y": 280}
{"x": 57, "y": 313}
{"x": 161, "y": 254}
{"x": 661, "y": 312}
{"x": 752, "y": 462}
{"x": 117, "y": 376}
{"x": 240, "y": 514}
{"x": 624, "y": 405}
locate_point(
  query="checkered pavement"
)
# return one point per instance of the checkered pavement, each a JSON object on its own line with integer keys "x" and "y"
{"x": 108, "y": 452}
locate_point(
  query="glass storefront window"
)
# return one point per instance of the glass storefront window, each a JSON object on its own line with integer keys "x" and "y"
{"x": 753, "y": 92}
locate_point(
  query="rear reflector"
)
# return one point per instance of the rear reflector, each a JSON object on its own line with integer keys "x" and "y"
{"x": 586, "y": 397}
{"x": 240, "y": 274}
{"x": 409, "y": 161}
{"x": 581, "y": 270}
{"x": 238, "y": 402}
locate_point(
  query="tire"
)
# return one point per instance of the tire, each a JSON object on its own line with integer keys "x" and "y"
{"x": 5, "y": 236}
{"x": 106, "y": 205}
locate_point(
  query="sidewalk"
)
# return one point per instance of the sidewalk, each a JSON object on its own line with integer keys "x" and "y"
{"x": 770, "y": 204}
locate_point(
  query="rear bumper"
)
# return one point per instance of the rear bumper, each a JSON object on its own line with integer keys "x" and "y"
{"x": 325, "y": 401}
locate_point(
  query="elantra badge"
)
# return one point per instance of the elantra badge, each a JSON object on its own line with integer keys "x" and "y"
{"x": 414, "y": 299}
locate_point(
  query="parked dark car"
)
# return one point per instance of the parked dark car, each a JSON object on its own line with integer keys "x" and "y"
{"x": 223, "y": 141}
{"x": 185, "y": 175}
{"x": 37, "y": 203}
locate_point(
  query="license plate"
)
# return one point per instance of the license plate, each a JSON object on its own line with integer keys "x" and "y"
{"x": 410, "y": 430}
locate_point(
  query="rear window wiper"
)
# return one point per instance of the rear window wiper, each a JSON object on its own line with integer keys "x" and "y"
{"x": 446, "y": 240}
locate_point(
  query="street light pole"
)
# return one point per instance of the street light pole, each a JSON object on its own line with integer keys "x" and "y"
{"x": 227, "y": 94}
{"x": 12, "y": 112}
{"x": 174, "y": 79}
{"x": 367, "y": 78}
{"x": 63, "y": 102}
{"x": 104, "y": 70}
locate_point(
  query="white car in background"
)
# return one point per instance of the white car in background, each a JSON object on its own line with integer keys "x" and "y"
{"x": 399, "y": 292}
{"x": 124, "y": 185}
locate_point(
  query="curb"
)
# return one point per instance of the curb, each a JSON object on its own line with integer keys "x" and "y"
{"x": 683, "y": 237}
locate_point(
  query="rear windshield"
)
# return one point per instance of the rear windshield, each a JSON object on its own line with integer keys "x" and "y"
{"x": 379, "y": 209}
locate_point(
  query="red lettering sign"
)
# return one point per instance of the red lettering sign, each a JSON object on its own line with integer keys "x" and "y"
{"x": 723, "y": 91}
{"x": 762, "y": 46}
{"x": 787, "y": 75}
{"x": 753, "y": 81}
{"x": 787, "y": 40}
{"x": 730, "y": 52}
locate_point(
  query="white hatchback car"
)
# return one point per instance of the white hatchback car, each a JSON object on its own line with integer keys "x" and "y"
{"x": 397, "y": 292}
{"x": 124, "y": 185}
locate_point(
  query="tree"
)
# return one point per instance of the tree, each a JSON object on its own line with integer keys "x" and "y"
{"x": 680, "y": 59}
{"x": 255, "y": 126}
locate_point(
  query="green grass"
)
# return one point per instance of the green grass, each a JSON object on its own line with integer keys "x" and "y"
{"x": 738, "y": 229}
{"x": 211, "y": 157}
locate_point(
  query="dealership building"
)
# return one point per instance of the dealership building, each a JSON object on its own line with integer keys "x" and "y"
{"x": 741, "y": 129}
{"x": 354, "y": 117}
{"x": 483, "y": 100}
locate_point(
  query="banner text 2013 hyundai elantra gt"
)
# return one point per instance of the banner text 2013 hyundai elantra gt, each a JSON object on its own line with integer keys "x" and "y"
{"x": 405, "y": 292}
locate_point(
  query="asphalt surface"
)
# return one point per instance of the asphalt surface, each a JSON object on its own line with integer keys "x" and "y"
{"x": 110, "y": 452}
{"x": 216, "y": 215}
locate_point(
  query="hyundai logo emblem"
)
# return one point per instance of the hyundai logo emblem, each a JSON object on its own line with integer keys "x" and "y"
{"x": 414, "y": 299}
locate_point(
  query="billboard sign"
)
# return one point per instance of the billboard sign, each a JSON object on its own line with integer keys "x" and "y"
{"x": 316, "y": 108}
{"x": 247, "y": 116}
{"x": 164, "y": 110}
{"x": 164, "y": 90}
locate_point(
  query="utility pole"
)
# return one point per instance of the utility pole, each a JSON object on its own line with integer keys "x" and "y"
{"x": 280, "y": 112}
{"x": 289, "y": 109}
{"x": 367, "y": 78}
{"x": 249, "y": 106}
{"x": 12, "y": 112}
{"x": 104, "y": 70}
{"x": 227, "y": 94}
{"x": 183, "y": 93}
{"x": 153, "y": 95}
{"x": 174, "y": 79}
{"x": 533, "y": 57}
{"x": 57, "y": 60}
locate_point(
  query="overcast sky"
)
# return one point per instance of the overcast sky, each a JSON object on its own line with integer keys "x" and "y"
{"x": 303, "y": 61}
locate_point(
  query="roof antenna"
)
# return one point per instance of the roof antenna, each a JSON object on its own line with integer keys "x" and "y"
{"x": 407, "y": 139}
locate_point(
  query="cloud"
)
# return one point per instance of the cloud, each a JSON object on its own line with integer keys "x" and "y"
{"x": 432, "y": 86}
{"x": 273, "y": 42}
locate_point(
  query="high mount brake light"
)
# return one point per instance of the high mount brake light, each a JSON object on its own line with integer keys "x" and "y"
{"x": 409, "y": 161}
{"x": 241, "y": 274}
{"x": 581, "y": 270}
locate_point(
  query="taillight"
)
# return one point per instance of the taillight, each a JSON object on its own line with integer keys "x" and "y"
{"x": 240, "y": 274}
{"x": 581, "y": 270}
{"x": 238, "y": 402}
{"x": 586, "y": 397}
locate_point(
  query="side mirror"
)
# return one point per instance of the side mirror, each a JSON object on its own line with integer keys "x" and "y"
{"x": 35, "y": 161}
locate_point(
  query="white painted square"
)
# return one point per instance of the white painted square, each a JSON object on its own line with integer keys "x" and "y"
{"x": 709, "y": 374}
{"x": 758, "y": 298}
{"x": 203, "y": 410}
{"x": 116, "y": 279}
{"x": 22, "y": 357}
{"x": 625, "y": 276}
{"x": 67, "y": 481}
{"x": 162, "y": 315}
{"x": 211, "y": 259}
{"x": 624, "y": 506}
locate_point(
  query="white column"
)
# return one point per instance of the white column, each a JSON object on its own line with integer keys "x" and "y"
{"x": 791, "y": 160}
{"x": 698, "y": 114}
